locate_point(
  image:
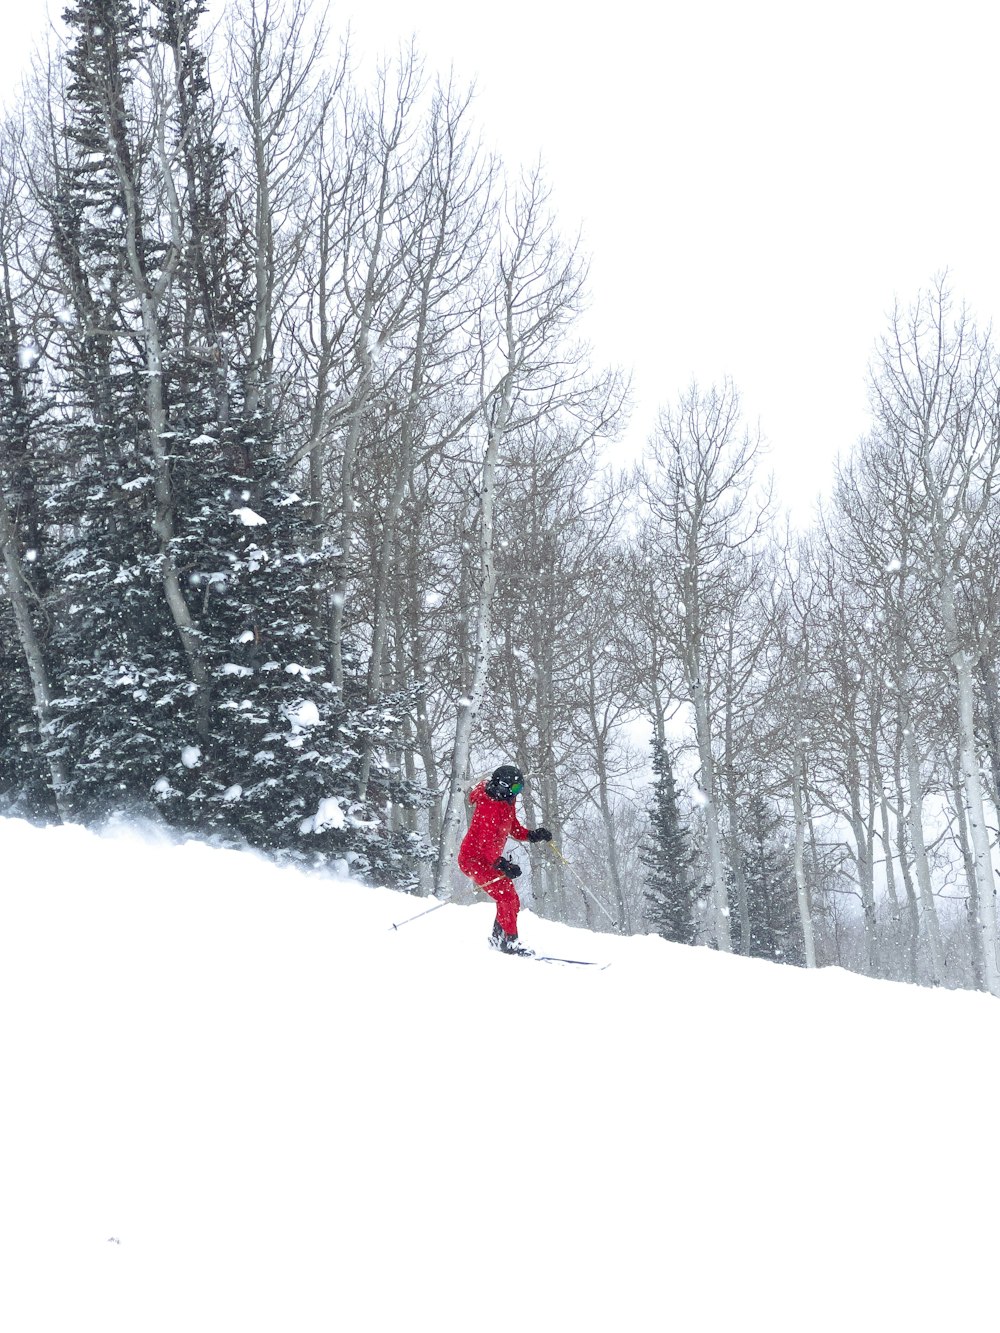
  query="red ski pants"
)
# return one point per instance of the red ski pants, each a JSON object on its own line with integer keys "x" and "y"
{"x": 502, "y": 891}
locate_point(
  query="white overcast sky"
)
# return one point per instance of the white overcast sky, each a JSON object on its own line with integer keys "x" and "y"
{"x": 756, "y": 181}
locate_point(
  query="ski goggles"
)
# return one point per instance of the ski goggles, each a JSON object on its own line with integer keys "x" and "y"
{"x": 516, "y": 788}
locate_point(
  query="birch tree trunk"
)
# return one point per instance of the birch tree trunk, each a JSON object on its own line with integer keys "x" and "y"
{"x": 19, "y": 593}
{"x": 607, "y": 815}
{"x": 469, "y": 705}
{"x": 916, "y": 830}
{"x": 860, "y": 829}
{"x": 736, "y": 859}
{"x": 971, "y": 879}
{"x": 975, "y": 810}
{"x": 718, "y": 896}
{"x": 890, "y": 872}
{"x": 912, "y": 905}
{"x": 801, "y": 887}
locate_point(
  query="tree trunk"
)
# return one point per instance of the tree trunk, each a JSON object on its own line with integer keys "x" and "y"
{"x": 390, "y": 520}
{"x": 890, "y": 878}
{"x": 802, "y": 889}
{"x": 991, "y": 709}
{"x": 20, "y": 597}
{"x": 738, "y": 869}
{"x": 866, "y": 881}
{"x": 607, "y": 817}
{"x": 717, "y": 881}
{"x": 912, "y": 905}
{"x": 468, "y": 708}
{"x": 968, "y": 860}
{"x": 916, "y": 831}
{"x": 974, "y": 806}
{"x": 148, "y": 297}
{"x": 978, "y": 831}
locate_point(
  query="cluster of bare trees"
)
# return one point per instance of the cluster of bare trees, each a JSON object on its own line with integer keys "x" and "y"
{"x": 306, "y": 520}
{"x": 842, "y": 679}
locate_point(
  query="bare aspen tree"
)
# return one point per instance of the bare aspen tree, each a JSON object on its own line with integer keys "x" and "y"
{"x": 481, "y": 628}
{"x": 276, "y": 47}
{"x": 793, "y": 616}
{"x": 426, "y": 647}
{"x": 606, "y": 674}
{"x": 577, "y": 685}
{"x": 961, "y": 823}
{"x": 652, "y": 611}
{"x": 380, "y": 206}
{"x": 869, "y": 528}
{"x": 872, "y": 527}
{"x": 697, "y": 484}
{"x": 980, "y": 618}
{"x": 560, "y": 625}
{"x": 844, "y": 714}
{"x": 527, "y": 371}
{"x": 746, "y": 637}
{"x": 934, "y": 393}
{"x": 450, "y": 238}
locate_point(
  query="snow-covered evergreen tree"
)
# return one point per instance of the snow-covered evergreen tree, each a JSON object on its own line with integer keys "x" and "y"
{"x": 188, "y": 619}
{"x": 666, "y": 854}
{"x": 123, "y": 675}
{"x": 775, "y": 930}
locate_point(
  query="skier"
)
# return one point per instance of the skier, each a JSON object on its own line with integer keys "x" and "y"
{"x": 480, "y": 856}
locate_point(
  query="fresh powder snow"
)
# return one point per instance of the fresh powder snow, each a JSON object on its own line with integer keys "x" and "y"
{"x": 235, "y": 1098}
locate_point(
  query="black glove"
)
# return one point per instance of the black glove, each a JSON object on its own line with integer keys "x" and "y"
{"x": 539, "y": 835}
{"x": 508, "y": 868}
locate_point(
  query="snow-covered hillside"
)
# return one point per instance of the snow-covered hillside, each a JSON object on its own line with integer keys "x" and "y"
{"x": 235, "y": 1099}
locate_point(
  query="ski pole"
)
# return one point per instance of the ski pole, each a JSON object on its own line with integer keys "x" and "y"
{"x": 592, "y": 896}
{"x": 396, "y": 924}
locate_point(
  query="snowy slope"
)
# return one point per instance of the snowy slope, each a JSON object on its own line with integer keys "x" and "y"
{"x": 235, "y": 1099}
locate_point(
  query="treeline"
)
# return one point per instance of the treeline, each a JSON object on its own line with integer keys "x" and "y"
{"x": 838, "y": 687}
{"x": 305, "y": 523}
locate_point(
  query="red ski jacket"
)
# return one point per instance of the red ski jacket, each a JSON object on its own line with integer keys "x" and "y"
{"x": 493, "y": 822}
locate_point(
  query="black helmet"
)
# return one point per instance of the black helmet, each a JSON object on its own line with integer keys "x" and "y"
{"x": 505, "y": 783}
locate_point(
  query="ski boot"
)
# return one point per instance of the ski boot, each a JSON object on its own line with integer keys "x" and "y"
{"x": 508, "y": 943}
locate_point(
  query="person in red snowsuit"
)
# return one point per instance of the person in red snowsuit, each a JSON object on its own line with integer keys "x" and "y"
{"x": 494, "y": 820}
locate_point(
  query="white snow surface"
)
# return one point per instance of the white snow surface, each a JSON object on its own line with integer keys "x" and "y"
{"x": 235, "y": 1098}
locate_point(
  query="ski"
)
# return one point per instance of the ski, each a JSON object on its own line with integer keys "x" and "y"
{"x": 551, "y": 958}
{"x": 565, "y": 962}
{"x": 573, "y": 962}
